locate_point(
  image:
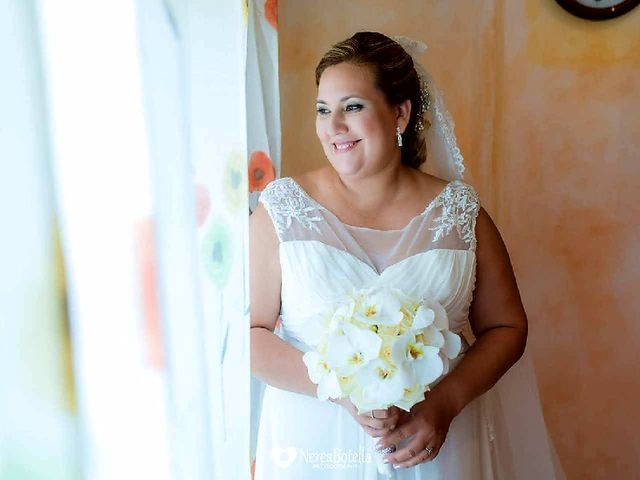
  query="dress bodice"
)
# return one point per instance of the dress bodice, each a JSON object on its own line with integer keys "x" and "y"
{"x": 323, "y": 259}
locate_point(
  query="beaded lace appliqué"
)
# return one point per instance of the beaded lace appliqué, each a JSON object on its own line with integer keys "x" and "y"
{"x": 460, "y": 206}
{"x": 285, "y": 203}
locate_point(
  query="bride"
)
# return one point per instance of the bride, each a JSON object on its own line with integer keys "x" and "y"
{"x": 373, "y": 217}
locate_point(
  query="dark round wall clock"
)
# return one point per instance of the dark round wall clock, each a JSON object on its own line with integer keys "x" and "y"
{"x": 598, "y": 9}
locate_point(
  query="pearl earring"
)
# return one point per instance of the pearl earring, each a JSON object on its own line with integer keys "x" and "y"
{"x": 399, "y": 136}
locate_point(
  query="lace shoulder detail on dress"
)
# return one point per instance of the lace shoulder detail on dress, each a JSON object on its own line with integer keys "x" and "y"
{"x": 286, "y": 201}
{"x": 460, "y": 206}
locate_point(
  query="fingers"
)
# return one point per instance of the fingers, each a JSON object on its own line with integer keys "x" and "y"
{"x": 375, "y": 433}
{"x": 379, "y": 427}
{"x": 412, "y": 453}
{"x": 421, "y": 457}
{"x": 372, "y": 422}
{"x": 393, "y": 415}
{"x": 398, "y": 434}
{"x": 377, "y": 423}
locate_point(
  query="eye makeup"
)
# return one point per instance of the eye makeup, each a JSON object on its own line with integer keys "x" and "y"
{"x": 353, "y": 106}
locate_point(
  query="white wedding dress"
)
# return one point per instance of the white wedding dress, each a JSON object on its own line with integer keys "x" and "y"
{"x": 500, "y": 435}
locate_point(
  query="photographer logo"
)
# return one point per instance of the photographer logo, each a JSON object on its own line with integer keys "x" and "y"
{"x": 284, "y": 457}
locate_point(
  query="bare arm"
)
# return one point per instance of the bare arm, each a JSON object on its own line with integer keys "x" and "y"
{"x": 273, "y": 360}
{"x": 497, "y": 318}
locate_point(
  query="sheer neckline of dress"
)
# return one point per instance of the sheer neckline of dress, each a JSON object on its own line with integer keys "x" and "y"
{"x": 426, "y": 210}
{"x": 379, "y": 273}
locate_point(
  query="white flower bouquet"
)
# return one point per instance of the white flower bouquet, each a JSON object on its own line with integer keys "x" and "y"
{"x": 381, "y": 348}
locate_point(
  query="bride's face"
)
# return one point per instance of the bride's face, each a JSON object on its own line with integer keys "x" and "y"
{"x": 355, "y": 124}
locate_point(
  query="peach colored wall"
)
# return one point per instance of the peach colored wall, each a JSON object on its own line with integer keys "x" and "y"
{"x": 547, "y": 111}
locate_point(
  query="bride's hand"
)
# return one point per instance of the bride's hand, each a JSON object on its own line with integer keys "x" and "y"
{"x": 428, "y": 424}
{"x": 383, "y": 423}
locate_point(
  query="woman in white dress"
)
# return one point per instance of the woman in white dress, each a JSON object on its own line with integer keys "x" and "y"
{"x": 372, "y": 217}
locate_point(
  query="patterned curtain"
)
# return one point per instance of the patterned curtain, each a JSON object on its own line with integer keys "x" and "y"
{"x": 193, "y": 57}
{"x": 263, "y": 97}
{"x": 263, "y": 130}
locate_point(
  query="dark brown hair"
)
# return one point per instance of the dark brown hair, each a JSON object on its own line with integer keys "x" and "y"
{"x": 394, "y": 75}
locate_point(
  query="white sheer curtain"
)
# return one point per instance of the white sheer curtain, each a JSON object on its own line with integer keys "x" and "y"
{"x": 193, "y": 58}
{"x": 38, "y": 415}
{"x": 172, "y": 228}
{"x": 102, "y": 177}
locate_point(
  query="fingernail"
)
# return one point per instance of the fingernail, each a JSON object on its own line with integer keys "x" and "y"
{"x": 396, "y": 467}
{"x": 384, "y": 460}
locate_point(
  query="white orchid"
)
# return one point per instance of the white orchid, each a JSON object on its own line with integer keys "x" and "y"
{"x": 412, "y": 395}
{"x": 380, "y": 385}
{"x": 422, "y": 361}
{"x": 343, "y": 314}
{"x": 431, "y": 313}
{"x": 432, "y": 318}
{"x": 322, "y": 375}
{"x": 432, "y": 336}
{"x": 428, "y": 366}
{"x": 350, "y": 348}
{"x": 452, "y": 344}
{"x": 379, "y": 306}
